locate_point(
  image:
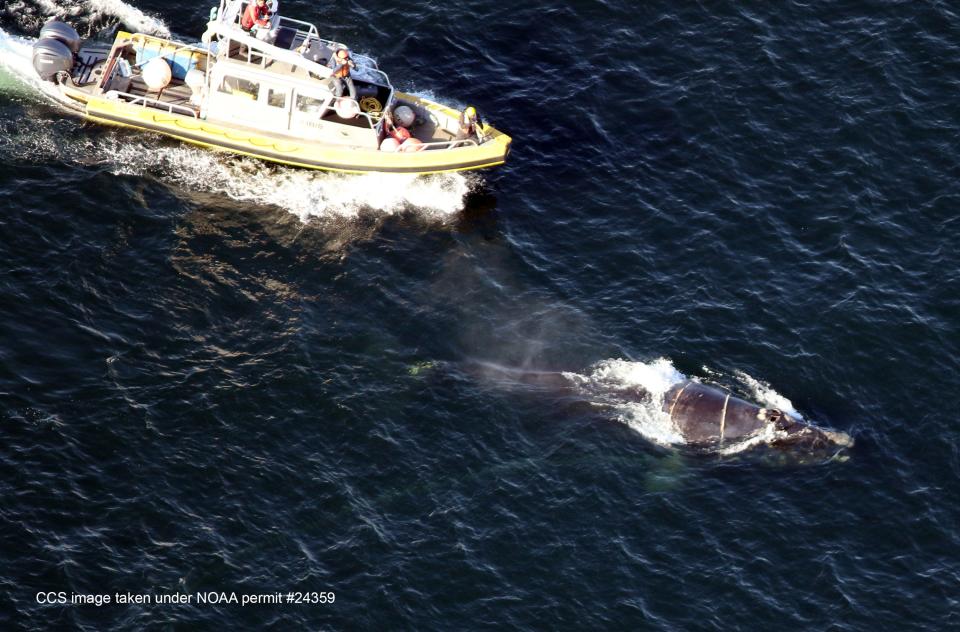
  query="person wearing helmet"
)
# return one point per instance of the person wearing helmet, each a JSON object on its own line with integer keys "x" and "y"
{"x": 341, "y": 64}
{"x": 468, "y": 125}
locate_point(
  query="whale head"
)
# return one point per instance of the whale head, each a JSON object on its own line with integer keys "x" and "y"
{"x": 796, "y": 435}
{"x": 715, "y": 420}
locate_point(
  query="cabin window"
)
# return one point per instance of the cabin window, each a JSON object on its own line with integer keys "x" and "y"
{"x": 309, "y": 105}
{"x": 276, "y": 98}
{"x": 240, "y": 87}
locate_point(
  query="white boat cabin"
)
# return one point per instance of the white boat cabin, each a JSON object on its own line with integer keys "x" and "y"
{"x": 279, "y": 82}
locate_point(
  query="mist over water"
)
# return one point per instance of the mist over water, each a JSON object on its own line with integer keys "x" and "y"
{"x": 222, "y": 375}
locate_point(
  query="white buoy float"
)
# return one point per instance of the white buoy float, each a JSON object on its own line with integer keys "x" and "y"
{"x": 157, "y": 74}
{"x": 195, "y": 80}
{"x": 404, "y": 116}
{"x": 347, "y": 108}
{"x": 412, "y": 144}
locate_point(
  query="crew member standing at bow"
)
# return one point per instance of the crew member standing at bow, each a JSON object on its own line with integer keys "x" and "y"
{"x": 341, "y": 64}
{"x": 468, "y": 124}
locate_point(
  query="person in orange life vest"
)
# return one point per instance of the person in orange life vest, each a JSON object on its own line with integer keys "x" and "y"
{"x": 341, "y": 64}
{"x": 257, "y": 14}
{"x": 396, "y": 132}
{"x": 468, "y": 124}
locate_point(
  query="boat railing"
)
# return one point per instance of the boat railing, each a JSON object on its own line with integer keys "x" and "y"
{"x": 145, "y": 101}
{"x": 365, "y": 63}
{"x": 384, "y": 79}
{"x": 329, "y": 105}
{"x": 193, "y": 48}
{"x": 306, "y": 32}
{"x": 262, "y": 54}
{"x": 450, "y": 144}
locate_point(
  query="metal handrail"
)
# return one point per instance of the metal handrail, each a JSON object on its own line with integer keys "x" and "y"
{"x": 190, "y": 47}
{"x": 450, "y": 144}
{"x": 328, "y": 105}
{"x": 311, "y": 29}
{"x": 311, "y": 32}
{"x": 369, "y": 64}
{"x": 132, "y": 99}
{"x": 377, "y": 71}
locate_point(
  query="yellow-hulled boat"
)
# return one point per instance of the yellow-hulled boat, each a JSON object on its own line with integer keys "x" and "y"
{"x": 265, "y": 93}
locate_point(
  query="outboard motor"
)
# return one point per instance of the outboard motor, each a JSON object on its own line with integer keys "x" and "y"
{"x": 62, "y": 31}
{"x": 55, "y": 50}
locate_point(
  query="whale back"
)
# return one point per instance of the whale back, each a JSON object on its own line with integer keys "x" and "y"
{"x": 704, "y": 414}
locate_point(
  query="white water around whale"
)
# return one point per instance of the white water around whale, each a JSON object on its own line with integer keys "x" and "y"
{"x": 611, "y": 382}
{"x": 614, "y": 382}
{"x": 763, "y": 393}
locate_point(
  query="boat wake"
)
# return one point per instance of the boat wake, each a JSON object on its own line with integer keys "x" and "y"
{"x": 89, "y": 17}
{"x": 306, "y": 194}
{"x": 16, "y": 62}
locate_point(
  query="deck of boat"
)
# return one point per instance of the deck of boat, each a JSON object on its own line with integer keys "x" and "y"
{"x": 177, "y": 94}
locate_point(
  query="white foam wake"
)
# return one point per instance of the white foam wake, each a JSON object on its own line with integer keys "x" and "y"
{"x": 612, "y": 382}
{"x": 16, "y": 59}
{"x": 132, "y": 17}
{"x": 304, "y": 193}
{"x": 87, "y": 16}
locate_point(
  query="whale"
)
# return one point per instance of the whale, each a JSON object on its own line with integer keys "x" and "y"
{"x": 707, "y": 418}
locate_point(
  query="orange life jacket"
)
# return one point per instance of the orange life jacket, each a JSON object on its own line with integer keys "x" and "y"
{"x": 400, "y": 134}
{"x": 344, "y": 68}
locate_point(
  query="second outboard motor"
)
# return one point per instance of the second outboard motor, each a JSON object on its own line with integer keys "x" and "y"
{"x": 51, "y": 56}
{"x": 62, "y": 31}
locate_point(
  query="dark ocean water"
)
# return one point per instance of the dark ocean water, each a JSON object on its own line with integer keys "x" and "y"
{"x": 219, "y": 375}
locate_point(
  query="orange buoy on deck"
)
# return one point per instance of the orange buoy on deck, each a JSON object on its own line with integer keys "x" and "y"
{"x": 389, "y": 144}
{"x": 412, "y": 144}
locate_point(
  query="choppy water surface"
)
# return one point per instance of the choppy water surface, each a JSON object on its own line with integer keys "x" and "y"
{"x": 220, "y": 375}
